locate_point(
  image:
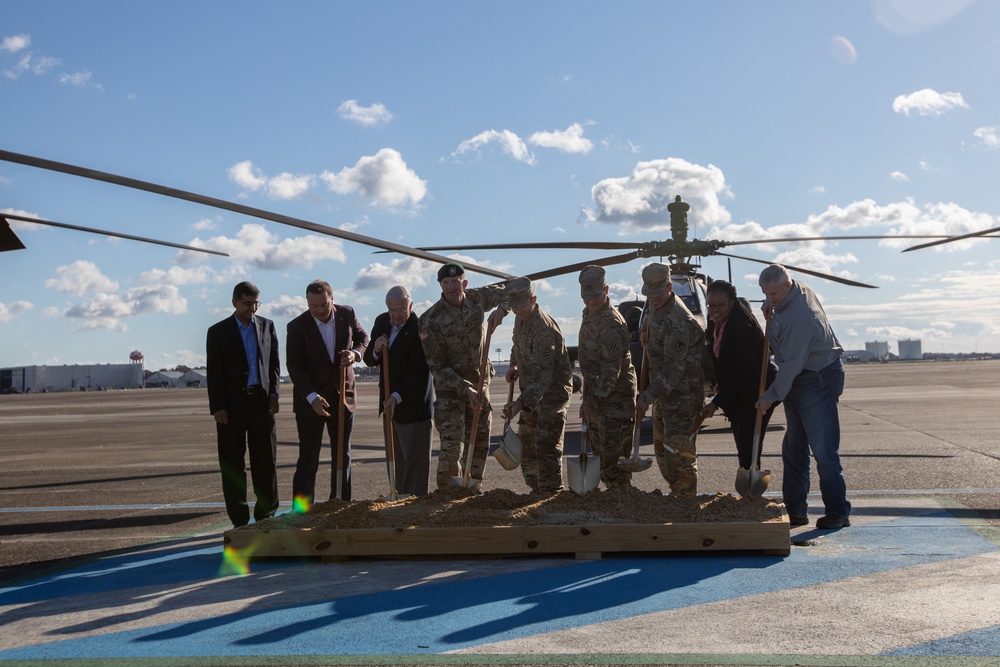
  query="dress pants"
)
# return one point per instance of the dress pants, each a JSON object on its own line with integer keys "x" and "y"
{"x": 250, "y": 427}
{"x": 310, "y": 443}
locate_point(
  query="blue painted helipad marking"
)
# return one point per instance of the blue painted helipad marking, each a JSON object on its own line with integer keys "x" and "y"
{"x": 434, "y": 618}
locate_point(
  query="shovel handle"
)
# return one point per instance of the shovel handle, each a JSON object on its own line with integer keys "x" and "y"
{"x": 760, "y": 393}
{"x": 483, "y": 363}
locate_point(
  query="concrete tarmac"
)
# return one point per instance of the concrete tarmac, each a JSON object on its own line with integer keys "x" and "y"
{"x": 111, "y": 522}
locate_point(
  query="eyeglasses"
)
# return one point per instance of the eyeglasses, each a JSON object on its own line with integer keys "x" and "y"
{"x": 719, "y": 306}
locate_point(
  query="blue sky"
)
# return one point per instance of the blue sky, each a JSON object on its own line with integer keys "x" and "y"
{"x": 458, "y": 122}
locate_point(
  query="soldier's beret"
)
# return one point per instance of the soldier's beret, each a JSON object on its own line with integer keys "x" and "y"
{"x": 450, "y": 270}
{"x": 655, "y": 279}
{"x": 592, "y": 281}
{"x": 519, "y": 292}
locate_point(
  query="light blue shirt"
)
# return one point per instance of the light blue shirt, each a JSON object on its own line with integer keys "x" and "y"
{"x": 249, "y": 335}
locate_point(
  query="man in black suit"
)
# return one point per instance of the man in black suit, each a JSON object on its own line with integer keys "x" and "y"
{"x": 410, "y": 405}
{"x": 243, "y": 371}
{"x": 319, "y": 343}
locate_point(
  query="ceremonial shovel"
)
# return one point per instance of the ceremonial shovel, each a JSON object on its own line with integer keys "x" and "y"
{"x": 753, "y": 483}
{"x": 390, "y": 448}
{"x": 466, "y": 478}
{"x": 340, "y": 433}
{"x": 508, "y": 452}
{"x": 634, "y": 463}
{"x": 582, "y": 474}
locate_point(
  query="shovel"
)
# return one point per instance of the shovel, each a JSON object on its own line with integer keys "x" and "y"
{"x": 508, "y": 452}
{"x": 390, "y": 448}
{"x": 582, "y": 474}
{"x": 753, "y": 483}
{"x": 634, "y": 463}
{"x": 340, "y": 433}
{"x": 465, "y": 479}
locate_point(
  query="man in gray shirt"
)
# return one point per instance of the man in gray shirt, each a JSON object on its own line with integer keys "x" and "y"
{"x": 810, "y": 381}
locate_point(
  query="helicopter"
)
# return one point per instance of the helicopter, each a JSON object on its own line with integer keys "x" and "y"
{"x": 680, "y": 253}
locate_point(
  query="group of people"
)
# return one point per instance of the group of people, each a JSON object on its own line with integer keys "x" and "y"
{"x": 435, "y": 370}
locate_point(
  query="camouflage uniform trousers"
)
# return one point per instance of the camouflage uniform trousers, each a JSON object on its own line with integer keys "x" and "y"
{"x": 610, "y": 432}
{"x": 541, "y": 433}
{"x": 673, "y": 422}
{"x": 453, "y": 418}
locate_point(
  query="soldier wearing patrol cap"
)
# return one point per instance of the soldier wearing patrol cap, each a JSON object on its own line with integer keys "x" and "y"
{"x": 452, "y": 335}
{"x": 608, "y": 405}
{"x": 673, "y": 343}
{"x": 539, "y": 362}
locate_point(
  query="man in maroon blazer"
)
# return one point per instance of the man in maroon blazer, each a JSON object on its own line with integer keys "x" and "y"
{"x": 243, "y": 371}
{"x": 319, "y": 343}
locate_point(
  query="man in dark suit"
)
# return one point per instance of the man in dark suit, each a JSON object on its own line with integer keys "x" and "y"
{"x": 410, "y": 405}
{"x": 243, "y": 371}
{"x": 319, "y": 343}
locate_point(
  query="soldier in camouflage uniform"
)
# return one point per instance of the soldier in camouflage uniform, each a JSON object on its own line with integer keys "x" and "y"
{"x": 674, "y": 341}
{"x": 608, "y": 406}
{"x": 539, "y": 362}
{"x": 452, "y": 335}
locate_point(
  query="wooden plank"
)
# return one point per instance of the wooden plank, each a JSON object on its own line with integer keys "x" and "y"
{"x": 772, "y": 537}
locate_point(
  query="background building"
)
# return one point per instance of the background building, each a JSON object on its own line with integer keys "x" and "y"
{"x": 879, "y": 349}
{"x": 78, "y": 377}
{"x": 910, "y": 349}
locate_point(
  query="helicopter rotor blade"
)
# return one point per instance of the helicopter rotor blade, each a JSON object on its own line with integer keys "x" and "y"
{"x": 94, "y": 230}
{"x": 555, "y": 245}
{"x": 570, "y": 268}
{"x": 845, "y": 238}
{"x": 825, "y": 276}
{"x": 954, "y": 238}
{"x": 136, "y": 184}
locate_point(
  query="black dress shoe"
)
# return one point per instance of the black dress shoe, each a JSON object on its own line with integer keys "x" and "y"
{"x": 797, "y": 520}
{"x": 832, "y": 522}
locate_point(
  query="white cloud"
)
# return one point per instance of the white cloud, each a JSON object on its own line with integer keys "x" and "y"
{"x": 283, "y": 186}
{"x": 44, "y": 64}
{"x": 988, "y": 135}
{"x": 204, "y": 224}
{"x": 383, "y": 177}
{"x": 509, "y": 143}
{"x": 78, "y": 79}
{"x": 247, "y": 176}
{"x": 22, "y": 66}
{"x": 640, "y": 200}
{"x": 254, "y": 246}
{"x": 105, "y": 310}
{"x": 285, "y": 306}
{"x": 79, "y": 278}
{"x": 15, "y": 43}
{"x": 928, "y": 102}
{"x": 176, "y": 275}
{"x": 10, "y": 311}
{"x": 899, "y": 176}
{"x": 893, "y": 219}
{"x": 570, "y": 140}
{"x": 288, "y": 186}
{"x": 408, "y": 271}
{"x": 817, "y": 190}
{"x": 366, "y": 116}
{"x": 21, "y": 225}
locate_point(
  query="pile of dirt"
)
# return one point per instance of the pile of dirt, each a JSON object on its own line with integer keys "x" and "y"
{"x": 456, "y": 507}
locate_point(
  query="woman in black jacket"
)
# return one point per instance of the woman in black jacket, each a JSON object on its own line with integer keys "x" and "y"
{"x": 736, "y": 342}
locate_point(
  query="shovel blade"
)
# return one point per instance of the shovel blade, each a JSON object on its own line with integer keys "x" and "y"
{"x": 508, "y": 452}
{"x": 583, "y": 475}
{"x": 752, "y": 483}
{"x": 634, "y": 464}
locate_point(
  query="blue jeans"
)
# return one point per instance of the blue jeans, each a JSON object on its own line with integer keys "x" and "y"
{"x": 813, "y": 423}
